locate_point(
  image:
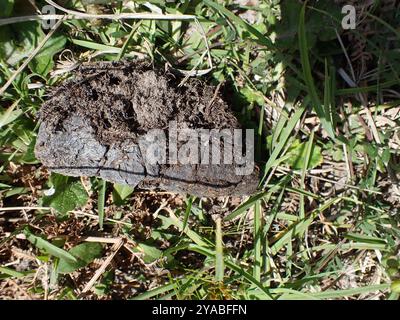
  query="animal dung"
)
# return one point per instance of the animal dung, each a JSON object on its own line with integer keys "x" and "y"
{"x": 130, "y": 123}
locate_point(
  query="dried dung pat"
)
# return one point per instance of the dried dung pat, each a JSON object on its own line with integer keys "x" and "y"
{"x": 129, "y": 123}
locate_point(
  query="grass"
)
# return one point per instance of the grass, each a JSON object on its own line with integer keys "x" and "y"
{"x": 325, "y": 222}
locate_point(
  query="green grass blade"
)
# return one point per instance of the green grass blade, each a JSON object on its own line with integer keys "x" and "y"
{"x": 102, "y": 185}
{"x": 373, "y": 88}
{"x": 258, "y": 236}
{"x": 13, "y": 273}
{"x": 219, "y": 254}
{"x": 252, "y": 200}
{"x": 289, "y": 294}
{"x": 10, "y": 114}
{"x": 365, "y": 238}
{"x": 298, "y": 228}
{"x": 187, "y": 213}
{"x": 336, "y": 294}
{"x": 245, "y": 206}
{"x": 125, "y": 46}
{"x": 309, "y": 148}
{"x": 284, "y": 136}
{"x": 155, "y": 292}
{"x": 196, "y": 238}
{"x": 387, "y": 25}
{"x": 305, "y": 62}
{"x": 42, "y": 244}
{"x": 328, "y": 94}
{"x": 96, "y": 46}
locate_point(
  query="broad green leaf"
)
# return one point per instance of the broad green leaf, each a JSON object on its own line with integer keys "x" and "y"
{"x": 29, "y": 156}
{"x": 43, "y": 62}
{"x": 105, "y": 284}
{"x": 151, "y": 253}
{"x": 287, "y": 28}
{"x": 84, "y": 253}
{"x": 68, "y": 194}
{"x": 18, "y": 41}
{"x": 10, "y": 114}
{"x": 324, "y": 18}
{"x": 6, "y": 7}
{"x": 43, "y": 244}
{"x": 392, "y": 262}
{"x": 297, "y": 155}
{"x": 121, "y": 192}
{"x": 252, "y": 96}
{"x": 395, "y": 286}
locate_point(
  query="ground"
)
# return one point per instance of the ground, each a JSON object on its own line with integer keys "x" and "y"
{"x": 324, "y": 101}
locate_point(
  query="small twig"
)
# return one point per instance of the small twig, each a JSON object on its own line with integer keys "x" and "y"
{"x": 46, "y": 281}
{"x": 84, "y": 16}
{"x": 20, "y": 254}
{"x": 346, "y": 55}
{"x": 23, "y": 291}
{"x": 371, "y": 121}
{"x": 137, "y": 255}
{"x": 161, "y": 207}
{"x": 286, "y": 171}
{"x": 101, "y": 240}
{"x": 208, "y": 108}
{"x": 115, "y": 248}
{"x": 349, "y": 165}
{"x": 96, "y": 217}
{"x": 24, "y": 208}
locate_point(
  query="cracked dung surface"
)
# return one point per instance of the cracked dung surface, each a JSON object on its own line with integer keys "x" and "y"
{"x": 92, "y": 125}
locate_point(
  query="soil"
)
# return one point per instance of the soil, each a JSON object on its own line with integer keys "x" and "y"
{"x": 92, "y": 125}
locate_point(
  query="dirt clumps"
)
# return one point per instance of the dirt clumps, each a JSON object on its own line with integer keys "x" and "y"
{"x": 105, "y": 120}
